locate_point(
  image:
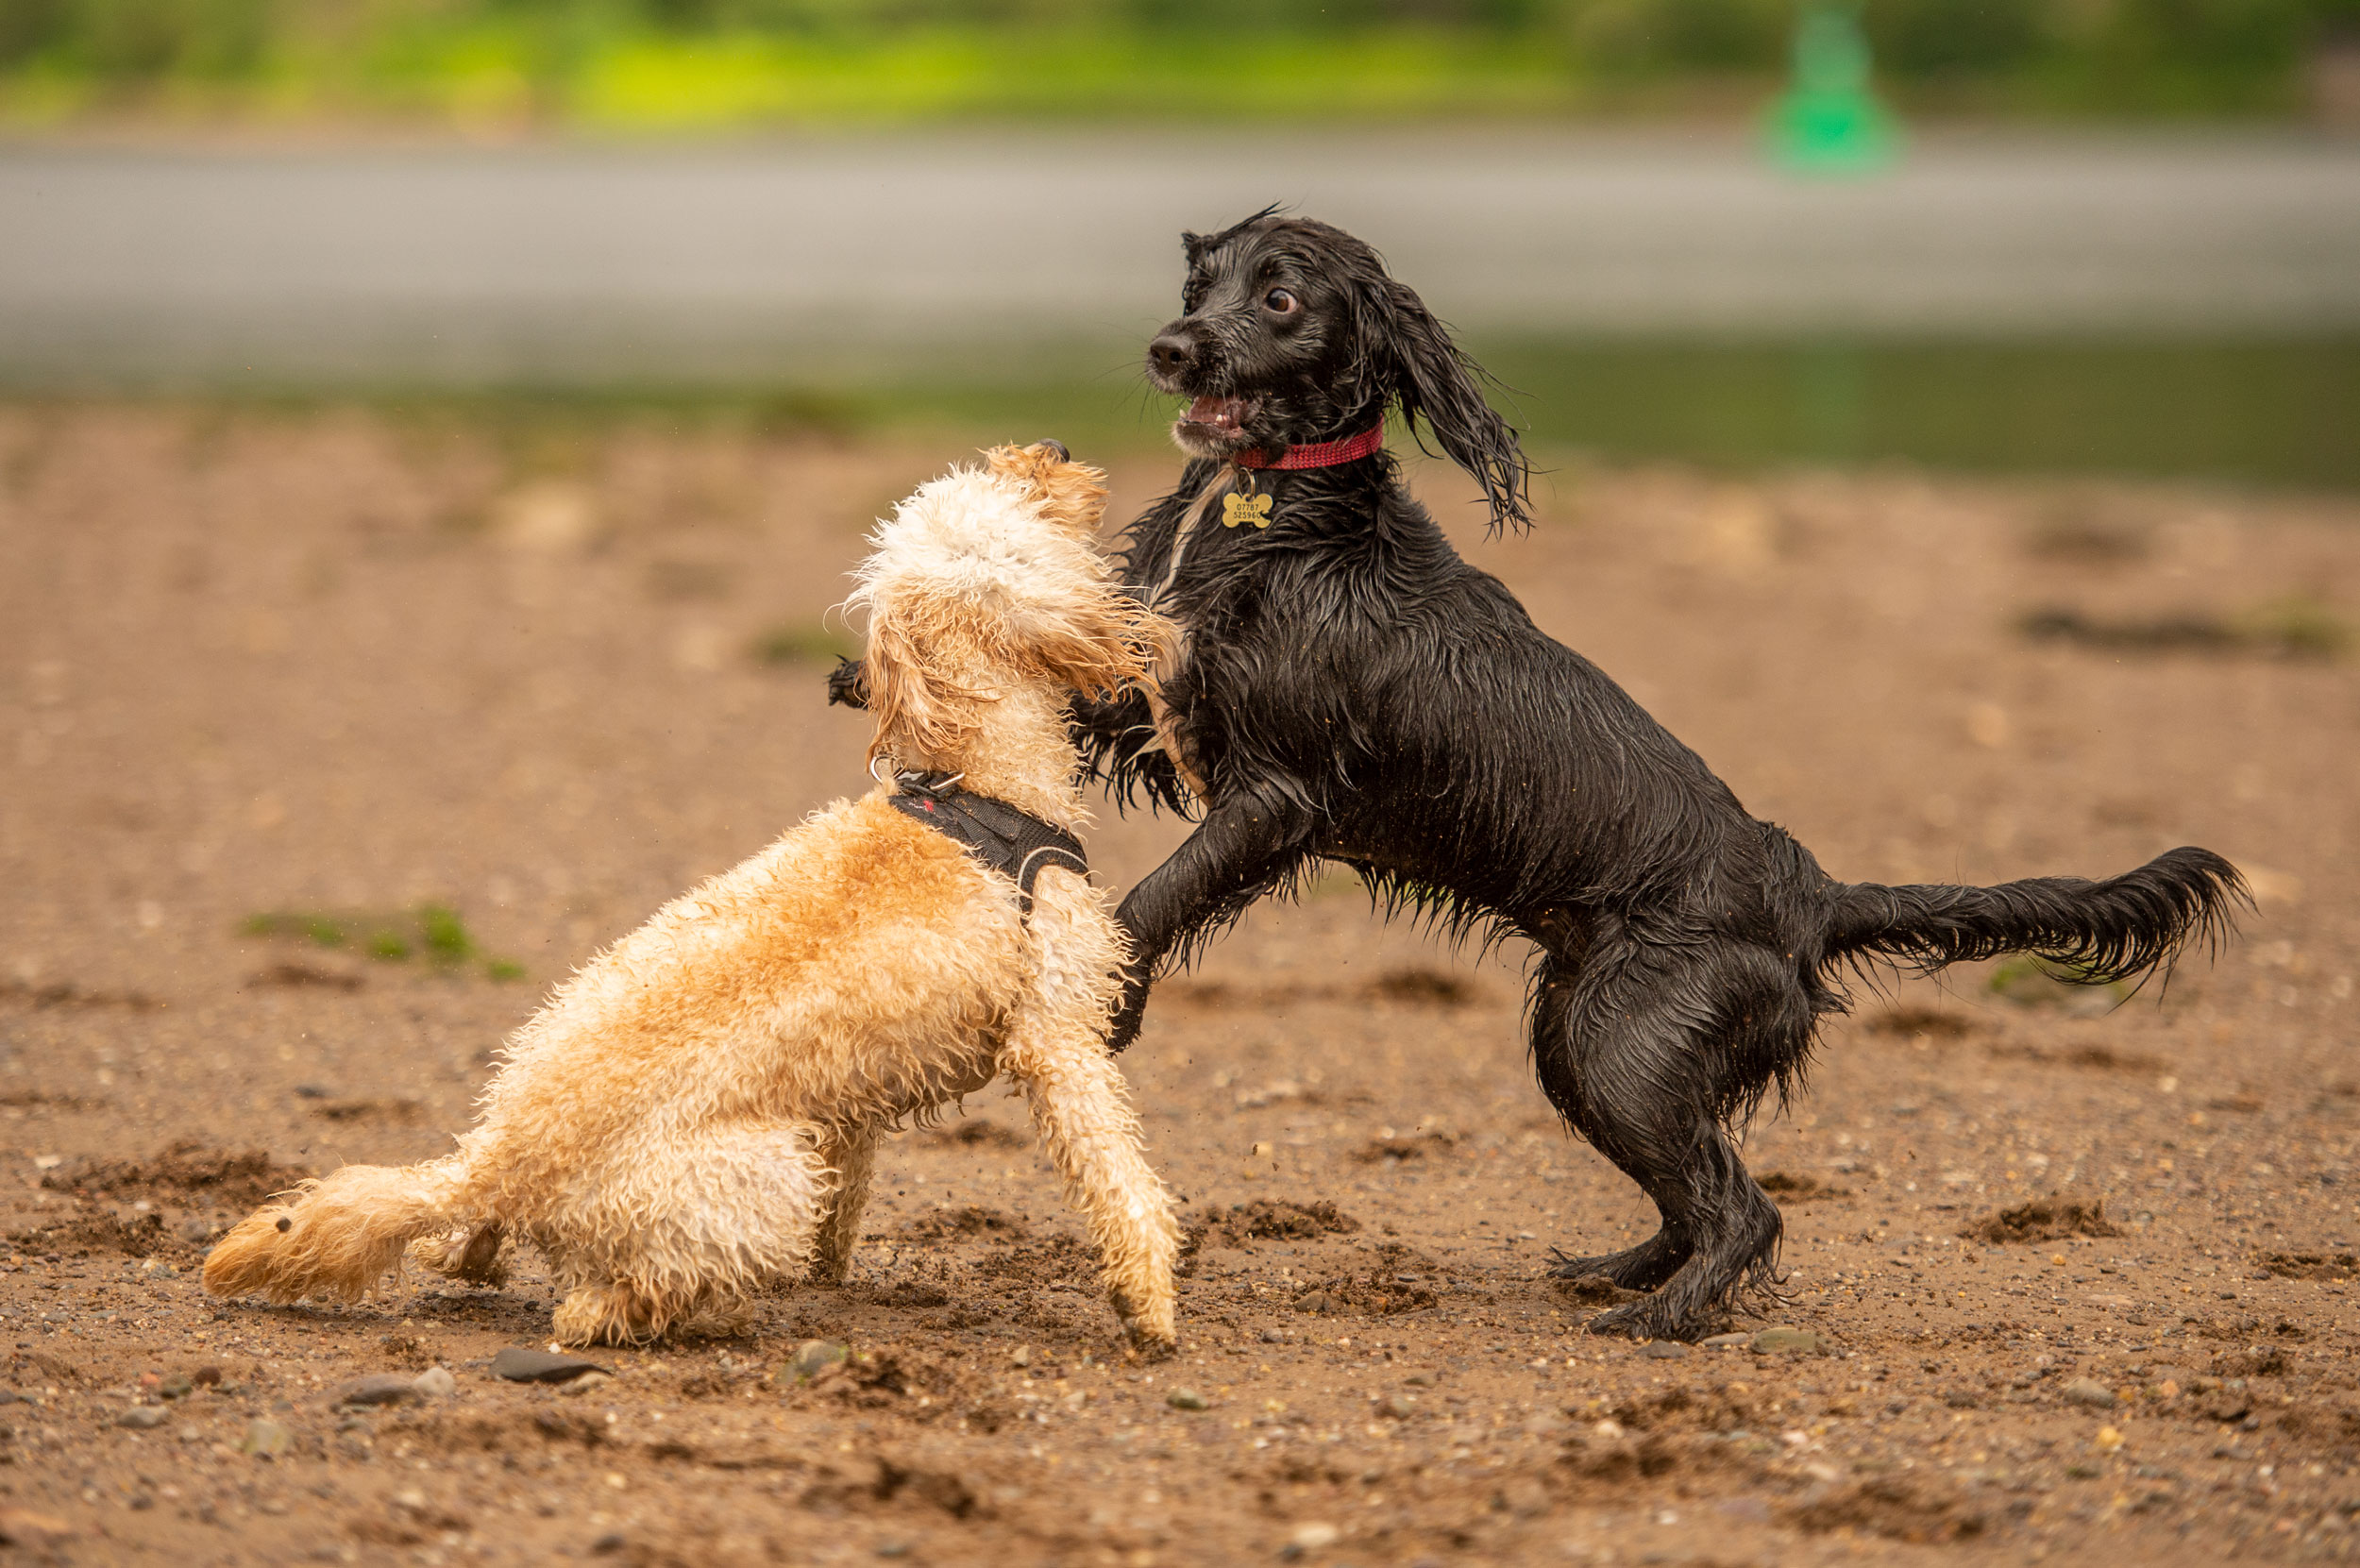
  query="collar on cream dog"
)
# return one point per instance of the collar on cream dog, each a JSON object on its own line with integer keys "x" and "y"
{"x": 1014, "y": 843}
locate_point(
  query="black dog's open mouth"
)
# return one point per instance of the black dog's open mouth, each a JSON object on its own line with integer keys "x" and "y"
{"x": 1221, "y": 415}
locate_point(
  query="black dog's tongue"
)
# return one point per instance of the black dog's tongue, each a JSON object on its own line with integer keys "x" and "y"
{"x": 1222, "y": 412}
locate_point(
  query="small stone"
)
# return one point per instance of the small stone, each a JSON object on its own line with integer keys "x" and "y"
{"x": 814, "y": 1358}
{"x": 1021, "y": 1356}
{"x": 143, "y": 1418}
{"x": 385, "y": 1387}
{"x": 9, "y": 1396}
{"x": 518, "y": 1364}
{"x": 24, "y": 1528}
{"x": 606, "y": 1546}
{"x": 1313, "y": 1301}
{"x": 205, "y": 1377}
{"x": 1728, "y": 1341}
{"x": 1799, "y": 1341}
{"x": 2089, "y": 1391}
{"x": 1664, "y": 1350}
{"x": 1312, "y": 1537}
{"x": 584, "y": 1384}
{"x": 266, "y": 1440}
{"x": 2109, "y": 1438}
{"x": 178, "y": 1386}
{"x": 1187, "y": 1399}
{"x": 435, "y": 1383}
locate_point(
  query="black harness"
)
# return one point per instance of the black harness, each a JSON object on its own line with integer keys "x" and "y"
{"x": 1007, "y": 840}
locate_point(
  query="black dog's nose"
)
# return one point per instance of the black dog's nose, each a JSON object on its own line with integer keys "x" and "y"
{"x": 1172, "y": 353}
{"x": 1057, "y": 449}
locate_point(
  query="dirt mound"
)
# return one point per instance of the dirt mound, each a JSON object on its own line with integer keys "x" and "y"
{"x": 1675, "y": 1410}
{"x": 1429, "y": 987}
{"x": 1789, "y": 1187}
{"x": 2044, "y": 1219}
{"x": 892, "y": 1483}
{"x": 2338, "y": 1267}
{"x": 134, "y": 1236}
{"x": 1278, "y": 1219}
{"x": 1889, "y": 1508}
{"x": 1418, "y": 1146}
{"x": 1399, "y": 1280}
{"x": 1052, "y": 1259}
{"x": 964, "y": 1224}
{"x": 977, "y": 1135}
{"x": 1907, "y": 1021}
{"x": 1612, "y": 1460}
{"x": 1594, "y": 1290}
{"x": 183, "y": 1173}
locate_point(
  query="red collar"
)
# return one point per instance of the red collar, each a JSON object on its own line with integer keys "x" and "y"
{"x": 1320, "y": 454}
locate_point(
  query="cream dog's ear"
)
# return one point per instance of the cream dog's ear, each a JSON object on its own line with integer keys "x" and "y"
{"x": 1095, "y": 639}
{"x": 1071, "y": 494}
{"x": 911, "y": 698}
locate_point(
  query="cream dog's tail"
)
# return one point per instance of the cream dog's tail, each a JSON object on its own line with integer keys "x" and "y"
{"x": 340, "y": 1235}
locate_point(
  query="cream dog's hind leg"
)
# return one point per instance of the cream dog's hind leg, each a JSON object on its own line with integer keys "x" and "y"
{"x": 1055, "y": 1047}
{"x": 853, "y": 1153}
{"x": 689, "y": 1228}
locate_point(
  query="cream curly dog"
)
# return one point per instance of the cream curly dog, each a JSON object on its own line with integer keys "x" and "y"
{"x": 695, "y": 1114}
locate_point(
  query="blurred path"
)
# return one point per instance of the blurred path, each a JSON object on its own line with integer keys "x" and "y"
{"x": 787, "y": 260}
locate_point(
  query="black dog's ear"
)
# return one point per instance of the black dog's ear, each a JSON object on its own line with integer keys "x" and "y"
{"x": 1436, "y": 381}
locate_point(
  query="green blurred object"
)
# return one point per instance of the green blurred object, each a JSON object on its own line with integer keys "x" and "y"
{"x": 1828, "y": 121}
{"x": 676, "y": 67}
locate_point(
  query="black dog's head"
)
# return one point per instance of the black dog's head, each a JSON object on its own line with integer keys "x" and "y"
{"x": 1292, "y": 331}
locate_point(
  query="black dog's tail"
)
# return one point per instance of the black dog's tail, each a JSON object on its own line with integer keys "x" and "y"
{"x": 2097, "y": 932}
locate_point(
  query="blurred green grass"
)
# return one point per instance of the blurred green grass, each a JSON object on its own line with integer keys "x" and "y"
{"x": 2264, "y": 412}
{"x": 700, "y": 65}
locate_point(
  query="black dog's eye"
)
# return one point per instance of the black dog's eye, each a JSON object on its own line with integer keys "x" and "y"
{"x": 1281, "y": 301}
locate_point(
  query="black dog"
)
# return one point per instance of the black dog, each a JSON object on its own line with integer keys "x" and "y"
{"x": 1353, "y": 691}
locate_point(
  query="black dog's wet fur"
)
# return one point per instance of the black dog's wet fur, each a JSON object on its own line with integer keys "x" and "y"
{"x": 1353, "y": 691}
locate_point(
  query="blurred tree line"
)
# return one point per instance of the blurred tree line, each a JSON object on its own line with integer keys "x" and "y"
{"x": 2087, "y": 56}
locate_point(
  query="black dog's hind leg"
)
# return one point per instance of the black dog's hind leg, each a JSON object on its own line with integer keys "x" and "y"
{"x": 1654, "y": 1260}
{"x": 1233, "y": 857}
{"x": 1624, "y": 1051}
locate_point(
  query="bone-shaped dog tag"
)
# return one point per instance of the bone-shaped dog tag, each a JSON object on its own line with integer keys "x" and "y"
{"x": 1245, "y": 508}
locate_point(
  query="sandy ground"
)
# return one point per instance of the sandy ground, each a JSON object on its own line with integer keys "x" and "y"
{"x": 338, "y": 664}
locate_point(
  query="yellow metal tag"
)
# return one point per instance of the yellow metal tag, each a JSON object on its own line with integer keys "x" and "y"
{"x": 1245, "y": 508}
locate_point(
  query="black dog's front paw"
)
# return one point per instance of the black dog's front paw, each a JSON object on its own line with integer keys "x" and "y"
{"x": 848, "y": 683}
{"x": 1131, "y": 1013}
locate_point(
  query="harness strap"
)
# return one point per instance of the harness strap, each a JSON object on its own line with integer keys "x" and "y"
{"x": 1014, "y": 843}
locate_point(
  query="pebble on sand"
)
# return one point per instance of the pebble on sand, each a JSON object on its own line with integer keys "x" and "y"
{"x": 518, "y": 1364}
{"x": 2089, "y": 1391}
{"x": 385, "y": 1387}
{"x": 1793, "y": 1341}
{"x": 435, "y": 1383}
{"x": 1187, "y": 1399}
{"x": 814, "y": 1356}
{"x": 266, "y": 1440}
{"x": 142, "y": 1418}
{"x": 24, "y": 1528}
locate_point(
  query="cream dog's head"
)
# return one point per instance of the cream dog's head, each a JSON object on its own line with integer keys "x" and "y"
{"x": 986, "y": 580}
